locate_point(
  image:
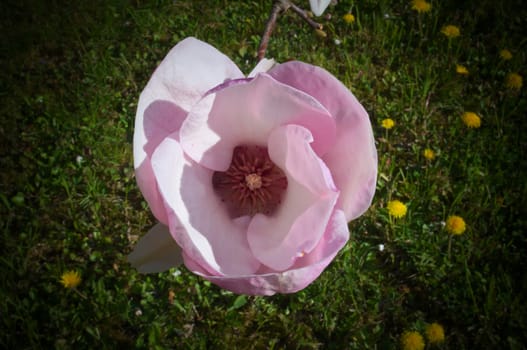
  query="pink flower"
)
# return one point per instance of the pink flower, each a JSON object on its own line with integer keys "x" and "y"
{"x": 253, "y": 179}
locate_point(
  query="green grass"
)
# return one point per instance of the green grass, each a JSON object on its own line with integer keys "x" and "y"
{"x": 70, "y": 80}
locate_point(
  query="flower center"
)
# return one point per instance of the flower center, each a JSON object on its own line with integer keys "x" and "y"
{"x": 252, "y": 184}
{"x": 253, "y": 181}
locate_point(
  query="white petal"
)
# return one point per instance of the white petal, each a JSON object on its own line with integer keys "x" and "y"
{"x": 319, "y": 6}
{"x": 156, "y": 251}
{"x": 189, "y": 70}
{"x": 263, "y": 66}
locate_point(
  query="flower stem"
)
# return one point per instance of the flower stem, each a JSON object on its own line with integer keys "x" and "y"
{"x": 449, "y": 246}
{"x": 280, "y": 6}
{"x": 303, "y": 14}
{"x": 80, "y": 294}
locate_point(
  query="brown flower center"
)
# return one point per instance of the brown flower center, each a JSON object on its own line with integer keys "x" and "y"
{"x": 252, "y": 184}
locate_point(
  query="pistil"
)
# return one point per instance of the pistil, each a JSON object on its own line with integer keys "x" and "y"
{"x": 252, "y": 184}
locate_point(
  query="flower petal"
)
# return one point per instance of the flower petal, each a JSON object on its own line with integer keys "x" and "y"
{"x": 353, "y": 158}
{"x": 156, "y": 251}
{"x": 278, "y": 240}
{"x": 198, "y": 220}
{"x": 305, "y": 270}
{"x": 160, "y": 119}
{"x": 263, "y": 66}
{"x": 246, "y": 113}
{"x": 189, "y": 70}
{"x": 319, "y": 6}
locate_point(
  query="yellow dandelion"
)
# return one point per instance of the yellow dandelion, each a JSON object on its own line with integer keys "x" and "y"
{"x": 348, "y": 18}
{"x": 455, "y": 225}
{"x": 471, "y": 119}
{"x": 514, "y": 81}
{"x": 421, "y": 6}
{"x": 450, "y": 31}
{"x": 429, "y": 154}
{"x": 70, "y": 279}
{"x": 387, "y": 123}
{"x": 397, "y": 209}
{"x": 412, "y": 341}
{"x": 460, "y": 69}
{"x": 505, "y": 54}
{"x": 435, "y": 333}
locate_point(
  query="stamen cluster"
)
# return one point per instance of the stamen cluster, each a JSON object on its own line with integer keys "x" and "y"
{"x": 252, "y": 184}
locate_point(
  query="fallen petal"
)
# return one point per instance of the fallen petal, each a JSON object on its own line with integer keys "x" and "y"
{"x": 156, "y": 251}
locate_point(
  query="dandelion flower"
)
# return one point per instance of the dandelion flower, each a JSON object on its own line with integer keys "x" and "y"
{"x": 421, "y": 6}
{"x": 397, "y": 209}
{"x": 387, "y": 123}
{"x": 435, "y": 333}
{"x": 429, "y": 154}
{"x": 461, "y": 69}
{"x": 70, "y": 279}
{"x": 412, "y": 341}
{"x": 450, "y": 31}
{"x": 505, "y": 54}
{"x": 455, "y": 225}
{"x": 348, "y": 18}
{"x": 514, "y": 81}
{"x": 471, "y": 119}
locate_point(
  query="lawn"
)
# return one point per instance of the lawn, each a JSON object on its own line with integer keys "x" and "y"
{"x": 449, "y": 117}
